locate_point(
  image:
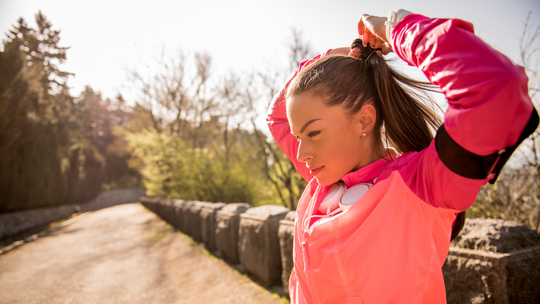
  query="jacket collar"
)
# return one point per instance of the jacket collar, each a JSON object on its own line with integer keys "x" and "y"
{"x": 366, "y": 174}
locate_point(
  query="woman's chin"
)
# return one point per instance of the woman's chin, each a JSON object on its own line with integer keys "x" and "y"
{"x": 326, "y": 181}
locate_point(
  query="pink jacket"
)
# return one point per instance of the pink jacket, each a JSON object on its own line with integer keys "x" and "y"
{"x": 390, "y": 246}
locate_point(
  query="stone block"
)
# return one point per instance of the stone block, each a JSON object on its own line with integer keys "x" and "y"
{"x": 172, "y": 218}
{"x": 493, "y": 261}
{"x": 258, "y": 243}
{"x": 208, "y": 225}
{"x": 195, "y": 220}
{"x": 177, "y": 206}
{"x": 227, "y": 224}
{"x": 169, "y": 212}
{"x": 155, "y": 205}
{"x": 150, "y": 203}
{"x": 184, "y": 216}
{"x": 286, "y": 243}
{"x": 159, "y": 208}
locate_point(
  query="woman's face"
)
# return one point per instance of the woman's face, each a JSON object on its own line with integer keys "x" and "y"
{"x": 331, "y": 142}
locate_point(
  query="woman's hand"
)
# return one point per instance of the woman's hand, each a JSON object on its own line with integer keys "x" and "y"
{"x": 372, "y": 29}
{"x": 340, "y": 51}
{"x": 346, "y": 51}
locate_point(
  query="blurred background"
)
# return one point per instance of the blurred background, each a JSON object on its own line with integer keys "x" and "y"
{"x": 171, "y": 95}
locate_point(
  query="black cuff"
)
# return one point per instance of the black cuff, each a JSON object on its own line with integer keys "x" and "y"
{"x": 470, "y": 165}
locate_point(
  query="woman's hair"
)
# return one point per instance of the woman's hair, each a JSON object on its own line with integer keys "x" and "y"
{"x": 406, "y": 123}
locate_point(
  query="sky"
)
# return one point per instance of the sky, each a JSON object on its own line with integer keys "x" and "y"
{"x": 105, "y": 37}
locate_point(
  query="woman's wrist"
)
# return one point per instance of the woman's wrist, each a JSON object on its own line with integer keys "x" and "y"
{"x": 391, "y": 22}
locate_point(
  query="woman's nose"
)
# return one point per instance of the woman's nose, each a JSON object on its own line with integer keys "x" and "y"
{"x": 304, "y": 154}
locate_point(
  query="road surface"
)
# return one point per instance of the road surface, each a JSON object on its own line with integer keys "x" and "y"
{"x": 122, "y": 254}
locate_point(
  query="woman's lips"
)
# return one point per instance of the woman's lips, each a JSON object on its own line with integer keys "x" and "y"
{"x": 316, "y": 171}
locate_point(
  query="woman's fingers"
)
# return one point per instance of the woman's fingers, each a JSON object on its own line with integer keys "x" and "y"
{"x": 373, "y": 41}
{"x": 361, "y": 27}
{"x": 363, "y": 31}
{"x": 365, "y": 37}
{"x": 371, "y": 26}
{"x": 372, "y": 30}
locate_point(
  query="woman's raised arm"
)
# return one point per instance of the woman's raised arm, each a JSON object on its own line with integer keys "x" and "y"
{"x": 487, "y": 94}
{"x": 488, "y": 101}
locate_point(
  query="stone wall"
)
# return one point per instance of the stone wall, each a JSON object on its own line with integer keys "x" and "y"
{"x": 258, "y": 243}
{"x": 491, "y": 261}
{"x": 12, "y": 223}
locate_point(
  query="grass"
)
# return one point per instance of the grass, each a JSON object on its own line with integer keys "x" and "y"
{"x": 160, "y": 235}
{"x": 283, "y": 299}
{"x": 191, "y": 242}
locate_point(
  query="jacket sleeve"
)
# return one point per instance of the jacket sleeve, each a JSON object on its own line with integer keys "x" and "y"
{"x": 279, "y": 124}
{"x": 488, "y": 102}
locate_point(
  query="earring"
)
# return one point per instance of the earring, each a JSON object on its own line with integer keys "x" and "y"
{"x": 364, "y": 134}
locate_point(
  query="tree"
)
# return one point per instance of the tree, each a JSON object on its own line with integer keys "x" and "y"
{"x": 299, "y": 50}
{"x": 37, "y": 118}
{"x": 178, "y": 95}
{"x": 53, "y": 149}
{"x": 41, "y": 49}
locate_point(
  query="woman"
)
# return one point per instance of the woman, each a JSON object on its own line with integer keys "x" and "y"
{"x": 335, "y": 115}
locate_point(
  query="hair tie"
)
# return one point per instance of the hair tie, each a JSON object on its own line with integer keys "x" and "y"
{"x": 374, "y": 50}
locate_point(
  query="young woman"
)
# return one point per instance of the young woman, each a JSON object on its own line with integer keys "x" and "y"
{"x": 335, "y": 119}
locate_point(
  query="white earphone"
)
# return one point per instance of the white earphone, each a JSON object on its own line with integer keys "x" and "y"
{"x": 353, "y": 194}
{"x": 340, "y": 197}
{"x": 332, "y": 198}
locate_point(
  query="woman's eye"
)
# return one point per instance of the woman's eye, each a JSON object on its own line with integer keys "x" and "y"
{"x": 313, "y": 133}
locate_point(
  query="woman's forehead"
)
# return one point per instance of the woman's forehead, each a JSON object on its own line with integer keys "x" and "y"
{"x": 304, "y": 103}
{"x": 308, "y": 107}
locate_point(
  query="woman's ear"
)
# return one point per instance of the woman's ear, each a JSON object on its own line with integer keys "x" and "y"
{"x": 366, "y": 117}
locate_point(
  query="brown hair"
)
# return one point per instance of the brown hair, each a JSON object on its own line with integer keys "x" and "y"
{"x": 406, "y": 122}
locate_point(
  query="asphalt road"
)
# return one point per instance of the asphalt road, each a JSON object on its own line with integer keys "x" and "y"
{"x": 122, "y": 254}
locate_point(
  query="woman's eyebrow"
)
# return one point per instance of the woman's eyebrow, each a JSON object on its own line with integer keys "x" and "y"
{"x": 307, "y": 124}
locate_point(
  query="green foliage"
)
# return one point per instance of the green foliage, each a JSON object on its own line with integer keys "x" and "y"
{"x": 173, "y": 168}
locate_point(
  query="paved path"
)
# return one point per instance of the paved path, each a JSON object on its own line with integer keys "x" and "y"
{"x": 122, "y": 254}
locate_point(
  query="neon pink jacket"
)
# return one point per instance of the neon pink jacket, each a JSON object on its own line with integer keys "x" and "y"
{"x": 389, "y": 247}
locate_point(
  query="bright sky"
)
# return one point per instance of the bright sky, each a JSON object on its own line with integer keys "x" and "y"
{"x": 241, "y": 35}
